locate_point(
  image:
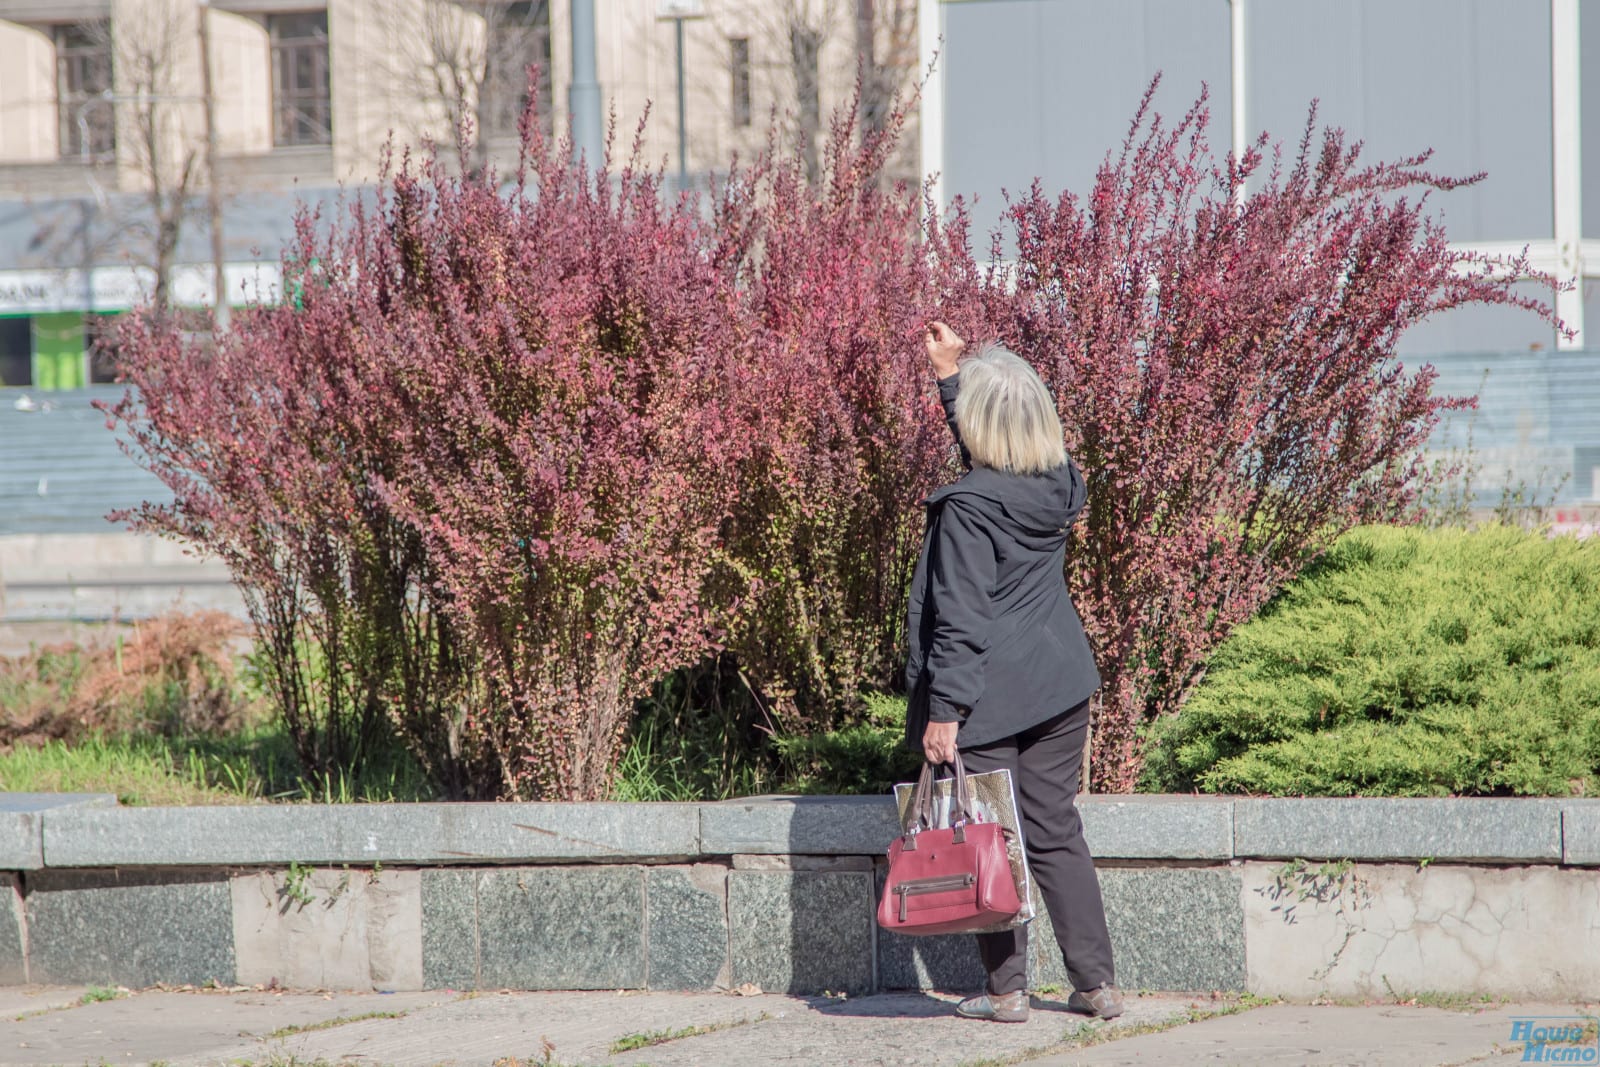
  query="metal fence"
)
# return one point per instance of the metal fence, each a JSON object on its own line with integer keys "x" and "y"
{"x": 1535, "y": 433}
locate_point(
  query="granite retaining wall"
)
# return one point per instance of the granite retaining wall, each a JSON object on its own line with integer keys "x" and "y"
{"x": 1291, "y": 897}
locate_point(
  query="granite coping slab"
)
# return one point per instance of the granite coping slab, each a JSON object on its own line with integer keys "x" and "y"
{"x": 1580, "y": 833}
{"x": 90, "y": 831}
{"x": 1158, "y": 827}
{"x": 1117, "y": 827}
{"x": 22, "y": 824}
{"x": 817, "y": 826}
{"x": 1485, "y": 829}
{"x": 369, "y": 833}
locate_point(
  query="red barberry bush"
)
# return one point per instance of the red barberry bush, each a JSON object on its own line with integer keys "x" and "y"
{"x": 836, "y": 287}
{"x": 472, "y": 480}
{"x": 1223, "y": 356}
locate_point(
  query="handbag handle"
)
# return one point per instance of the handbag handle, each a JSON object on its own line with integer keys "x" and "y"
{"x": 921, "y": 816}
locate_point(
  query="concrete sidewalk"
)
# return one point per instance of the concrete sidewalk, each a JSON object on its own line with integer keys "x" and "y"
{"x": 276, "y": 1029}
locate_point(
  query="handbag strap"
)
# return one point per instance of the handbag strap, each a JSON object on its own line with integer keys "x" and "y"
{"x": 921, "y": 815}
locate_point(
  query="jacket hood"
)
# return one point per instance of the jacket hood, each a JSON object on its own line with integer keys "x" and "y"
{"x": 1033, "y": 508}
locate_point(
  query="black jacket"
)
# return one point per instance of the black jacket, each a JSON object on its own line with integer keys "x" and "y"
{"x": 995, "y": 641}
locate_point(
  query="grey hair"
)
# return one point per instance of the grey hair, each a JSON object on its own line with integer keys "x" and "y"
{"x": 1006, "y": 416}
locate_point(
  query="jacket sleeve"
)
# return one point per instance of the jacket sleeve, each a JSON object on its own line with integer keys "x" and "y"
{"x": 1077, "y": 491}
{"x": 961, "y": 577}
{"x": 948, "y": 389}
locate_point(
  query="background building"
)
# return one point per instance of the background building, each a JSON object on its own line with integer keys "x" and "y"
{"x": 1511, "y": 88}
{"x": 104, "y": 173}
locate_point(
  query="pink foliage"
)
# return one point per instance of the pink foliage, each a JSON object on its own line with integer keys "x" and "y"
{"x": 515, "y": 454}
{"x": 836, "y": 288}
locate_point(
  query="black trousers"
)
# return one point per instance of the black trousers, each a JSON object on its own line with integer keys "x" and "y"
{"x": 1045, "y": 762}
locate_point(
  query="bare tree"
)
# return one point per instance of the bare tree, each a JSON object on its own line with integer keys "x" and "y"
{"x": 472, "y": 64}
{"x": 887, "y": 50}
{"x": 794, "y": 42}
{"x": 156, "y": 107}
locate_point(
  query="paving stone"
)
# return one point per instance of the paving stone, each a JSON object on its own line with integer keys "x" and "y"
{"x": 195, "y": 1029}
{"x": 1158, "y": 827}
{"x": 688, "y": 927}
{"x": 353, "y": 929}
{"x": 802, "y": 931}
{"x": 561, "y": 927}
{"x": 13, "y": 932}
{"x": 1171, "y": 929}
{"x": 450, "y": 941}
{"x": 1486, "y": 829}
{"x": 133, "y": 928}
{"x": 276, "y": 835}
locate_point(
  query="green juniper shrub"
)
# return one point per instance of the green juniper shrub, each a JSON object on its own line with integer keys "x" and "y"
{"x": 866, "y": 757}
{"x": 1407, "y": 662}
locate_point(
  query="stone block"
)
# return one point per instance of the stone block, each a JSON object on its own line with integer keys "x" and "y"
{"x": 13, "y": 932}
{"x": 948, "y": 962}
{"x": 1580, "y": 833}
{"x": 335, "y": 929}
{"x": 1382, "y": 929}
{"x": 1158, "y": 827}
{"x": 275, "y": 835}
{"x": 561, "y": 928}
{"x": 824, "y": 826}
{"x": 802, "y": 931}
{"x": 450, "y": 941}
{"x": 133, "y": 928}
{"x": 1486, "y": 829}
{"x": 22, "y": 824}
{"x": 1178, "y": 929}
{"x": 1175, "y": 928}
{"x": 688, "y": 927}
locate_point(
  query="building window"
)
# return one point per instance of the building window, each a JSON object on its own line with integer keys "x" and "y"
{"x": 302, "y": 106}
{"x": 16, "y": 350}
{"x": 519, "y": 38}
{"x": 739, "y": 64}
{"x": 83, "y": 72}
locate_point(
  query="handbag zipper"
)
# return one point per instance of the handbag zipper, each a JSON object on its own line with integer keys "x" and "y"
{"x": 942, "y": 884}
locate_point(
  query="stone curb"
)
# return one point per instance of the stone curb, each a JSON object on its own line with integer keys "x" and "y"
{"x": 82, "y": 831}
{"x": 370, "y": 833}
{"x": 1483, "y": 829}
{"x": 22, "y": 818}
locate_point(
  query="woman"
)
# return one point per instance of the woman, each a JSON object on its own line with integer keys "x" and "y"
{"x": 1000, "y": 667}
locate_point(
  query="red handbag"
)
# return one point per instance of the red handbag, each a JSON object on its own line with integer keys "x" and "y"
{"x": 947, "y": 881}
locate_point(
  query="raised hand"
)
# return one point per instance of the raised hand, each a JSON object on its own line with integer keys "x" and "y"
{"x": 944, "y": 348}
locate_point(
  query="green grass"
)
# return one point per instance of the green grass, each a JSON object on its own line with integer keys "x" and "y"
{"x": 329, "y": 1024}
{"x": 634, "y": 1042}
{"x": 257, "y": 764}
{"x": 96, "y": 994}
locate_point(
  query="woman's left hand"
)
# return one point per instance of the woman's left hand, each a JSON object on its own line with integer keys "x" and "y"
{"x": 939, "y": 741}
